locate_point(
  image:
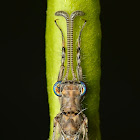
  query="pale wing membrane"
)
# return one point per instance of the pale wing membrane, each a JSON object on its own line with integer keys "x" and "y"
{"x": 57, "y": 132}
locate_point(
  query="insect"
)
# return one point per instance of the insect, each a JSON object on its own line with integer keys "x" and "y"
{"x": 71, "y": 123}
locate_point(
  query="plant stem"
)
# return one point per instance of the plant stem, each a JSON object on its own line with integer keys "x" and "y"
{"x": 90, "y": 56}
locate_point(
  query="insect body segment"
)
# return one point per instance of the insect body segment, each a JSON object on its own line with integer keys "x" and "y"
{"x": 71, "y": 123}
{"x": 57, "y": 89}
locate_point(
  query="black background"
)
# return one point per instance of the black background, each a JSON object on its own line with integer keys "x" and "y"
{"x": 24, "y": 98}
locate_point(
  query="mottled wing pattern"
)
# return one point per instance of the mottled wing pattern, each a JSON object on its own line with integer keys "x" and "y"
{"x": 57, "y": 129}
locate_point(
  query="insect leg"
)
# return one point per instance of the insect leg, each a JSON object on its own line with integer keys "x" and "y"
{"x": 79, "y": 68}
{"x": 73, "y": 15}
{"x": 83, "y": 131}
{"x": 62, "y": 67}
{"x": 86, "y": 128}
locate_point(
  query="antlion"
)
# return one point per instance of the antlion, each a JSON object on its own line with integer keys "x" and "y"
{"x": 71, "y": 123}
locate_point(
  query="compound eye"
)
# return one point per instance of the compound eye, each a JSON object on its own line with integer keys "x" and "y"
{"x": 83, "y": 88}
{"x": 56, "y": 88}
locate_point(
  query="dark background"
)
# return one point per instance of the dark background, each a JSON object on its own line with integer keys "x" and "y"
{"x": 23, "y": 89}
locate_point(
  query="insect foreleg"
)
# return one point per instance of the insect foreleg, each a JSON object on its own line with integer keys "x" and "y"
{"x": 79, "y": 68}
{"x": 62, "y": 67}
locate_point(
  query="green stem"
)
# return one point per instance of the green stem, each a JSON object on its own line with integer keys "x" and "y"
{"x": 90, "y": 56}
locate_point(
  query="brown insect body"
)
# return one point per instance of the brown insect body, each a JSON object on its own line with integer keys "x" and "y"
{"x": 71, "y": 119}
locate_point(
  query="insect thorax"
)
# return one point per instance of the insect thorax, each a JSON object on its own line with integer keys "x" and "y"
{"x": 70, "y": 97}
